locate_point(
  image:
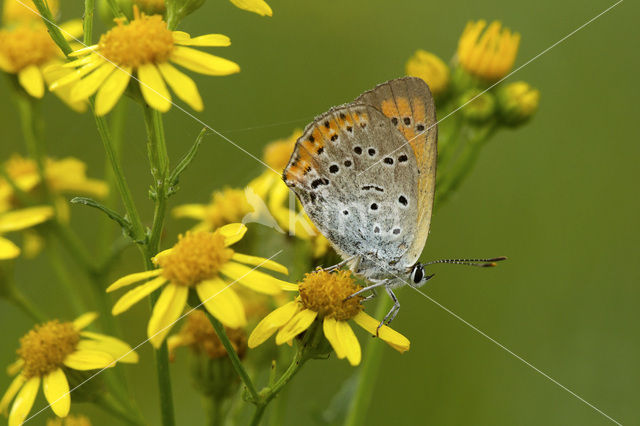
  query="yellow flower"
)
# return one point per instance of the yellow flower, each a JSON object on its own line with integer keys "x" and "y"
{"x": 147, "y": 47}
{"x": 322, "y": 296}
{"x": 24, "y": 10}
{"x": 431, "y": 69}
{"x": 18, "y": 220}
{"x": 46, "y": 352}
{"x": 70, "y": 420}
{"x": 256, "y": 6}
{"x": 198, "y": 334}
{"x": 226, "y": 206}
{"x": 517, "y": 101}
{"x": 200, "y": 260}
{"x": 489, "y": 55}
{"x": 26, "y": 50}
{"x": 67, "y": 175}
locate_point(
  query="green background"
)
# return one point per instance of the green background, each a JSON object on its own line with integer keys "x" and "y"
{"x": 558, "y": 196}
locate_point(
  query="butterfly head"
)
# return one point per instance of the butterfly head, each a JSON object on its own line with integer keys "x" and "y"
{"x": 417, "y": 276}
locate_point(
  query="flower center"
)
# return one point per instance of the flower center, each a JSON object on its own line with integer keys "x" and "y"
{"x": 26, "y": 45}
{"x": 227, "y": 206}
{"x": 44, "y": 348}
{"x": 199, "y": 331}
{"x": 145, "y": 40}
{"x": 325, "y": 293}
{"x": 195, "y": 258}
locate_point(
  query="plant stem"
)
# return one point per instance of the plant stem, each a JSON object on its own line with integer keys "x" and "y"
{"x": 368, "y": 374}
{"x": 233, "y": 356}
{"x": 54, "y": 30}
{"x": 87, "y": 23}
{"x": 108, "y": 403}
{"x": 60, "y": 269}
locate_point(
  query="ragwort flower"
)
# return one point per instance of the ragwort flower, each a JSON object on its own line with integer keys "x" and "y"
{"x": 323, "y": 296}
{"x": 203, "y": 261}
{"x": 147, "y": 47}
{"x": 44, "y": 354}
{"x": 431, "y": 69}
{"x": 489, "y": 55}
{"x": 256, "y": 6}
{"x": 24, "y": 10}
{"x": 226, "y": 206}
{"x": 18, "y": 220}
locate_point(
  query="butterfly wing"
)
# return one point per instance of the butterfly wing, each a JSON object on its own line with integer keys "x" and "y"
{"x": 408, "y": 103}
{"x": 363, "y": 200}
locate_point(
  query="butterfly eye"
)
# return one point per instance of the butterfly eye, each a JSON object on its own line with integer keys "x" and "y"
{"x": 417, "y": 273}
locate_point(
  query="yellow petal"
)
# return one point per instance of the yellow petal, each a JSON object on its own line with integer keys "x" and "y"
{"x": 182, "y": 85}
{"x": 299, "y": 323}
{"x": 202, "y": 62}
{"x": 180, "y": 37}
{"x": 396, "y": 340}
{"x": 84, "y": 320}
{"x": 31, "y": 80}
{"x": 166, "y": 311}
{"x": 330, "y": 329}
{"x": 55, "y": 72}
{"x": 71, "y": 29}
{"x": 153, "y": 89}
{"x": 133, "y": 278}
{"x": 113, "y": 87}
{"x": 8, "y": 250}
{"x": 121, "y": 351}
{"x": 93, "y": 62}
{"x": 56, "y": 391}
{"x": 256, "y": 6}
{"x": 273, "y": 322}
{"x": 222, "y": 302}
{"x": 192, "y": 211}
{"x": 83, "y": 51}
{"x": 232, "y": 233}
{"x": 261, "y": 262}
{"x": 15, "y": 367}
{"x": 84, "y": 359}
{"x": 24, "y": 218}
{"x": 133, "y": 296}
{"x": 253, "y": 279}
{"x": 24, "y": 401}
{"x": 89, "y": 84}
{"x": 349, "y": 342}
{"x": 11, "y": 391}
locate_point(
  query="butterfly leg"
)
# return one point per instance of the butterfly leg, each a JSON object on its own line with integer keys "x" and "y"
{"x": 371, "y": 287}
{"x": 391, "y": 315}
{"x": 371, "y": 296}
{"x": 339, "y": 264}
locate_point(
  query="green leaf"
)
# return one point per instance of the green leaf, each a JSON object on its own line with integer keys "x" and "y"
{"x": 184, "y": 163}
{"x": 112, "y": 214}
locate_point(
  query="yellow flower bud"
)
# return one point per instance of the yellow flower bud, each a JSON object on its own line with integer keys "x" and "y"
{"x": 477, "y": 107}
{"x": 431, "y": 69}
{"x": 517, "y": 102}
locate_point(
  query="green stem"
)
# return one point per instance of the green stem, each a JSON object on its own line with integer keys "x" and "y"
{"x": 87, "y": 23}
{"x": 60, "y": 269}
{"x": 215, "y": 412}
{"x": 54, "y": 30}
{"x": 368, "y": 374}
{"x": 233, "y": 356}
{"x": 109, "y": 404}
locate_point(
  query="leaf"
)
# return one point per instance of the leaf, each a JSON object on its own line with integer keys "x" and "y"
{"x": 184, "y": 163}
{"x": 112, "y": 214}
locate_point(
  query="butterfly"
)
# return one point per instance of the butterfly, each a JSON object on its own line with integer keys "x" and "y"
{"x": 365, "y": 173}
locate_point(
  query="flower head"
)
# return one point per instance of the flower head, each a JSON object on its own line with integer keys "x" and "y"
{"x": 70, "y": 420}
{"x": 24, "y": 10}
{"x": 147, "y": 47}
{"x": 226, "y": 206}
{"x": 322, "y": 297}
{"x": 204, "y": 262}
{"x": 517, "y": 102}
{"x": 18, "y": 220}
{"x": 479, "y": 106}
{"x": 44, "y": 354}
{"x": 489, "y": 55}
{"x": 431, "y": 69}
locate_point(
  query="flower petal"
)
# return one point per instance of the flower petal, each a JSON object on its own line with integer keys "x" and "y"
{"x": 232, "y": 233}
{"x": 180, "y": 37}
{"x": 8, "y": 250}
{"x": 153, "y": 89}
{"x": 56, "y": 391}
{"x": 396, "y": 340}
{"x": 121, "y": 351}
{"x": 11, "y": 391}
{"x": 133, "y": 296}
{"x": 71, "y": 29}
{"x": 299, "y": 323}
{"x": 222, "y": 302}
{"x": 166, "y": 311}
{"x": 89, "y": 84}
{"x": 83, "y": 51}
{"x": 31, "y": 80}
{"x": 84, "y": 320}
{"x": 133, "y": 278}
{"x": 92, "y": 62}
{"x": 85, "y": 359}
{"x": 330, "y": 328}
{"x": 261, "y": 262}
{"x": 24, "y": 218}
{"x": 253, "y": 279}
{"x": 192, "y": 211}
{"x": 182, "y": 85}
{"x": 273, "y": 322}
{"x": 256, "y": 6}
{"x": 55, "y": 72}
{"x": 202, "y": 62}
{"x": 24, "y": 401}
{"x": 15, "y": 367}
{"x": 349, "y": 342}
{"x": 113, "y": 87}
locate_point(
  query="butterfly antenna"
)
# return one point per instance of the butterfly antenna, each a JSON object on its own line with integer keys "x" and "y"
{"x": 483, "y": 263}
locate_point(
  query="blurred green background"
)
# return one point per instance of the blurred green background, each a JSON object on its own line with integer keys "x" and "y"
{"x": 558, "y": 197}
